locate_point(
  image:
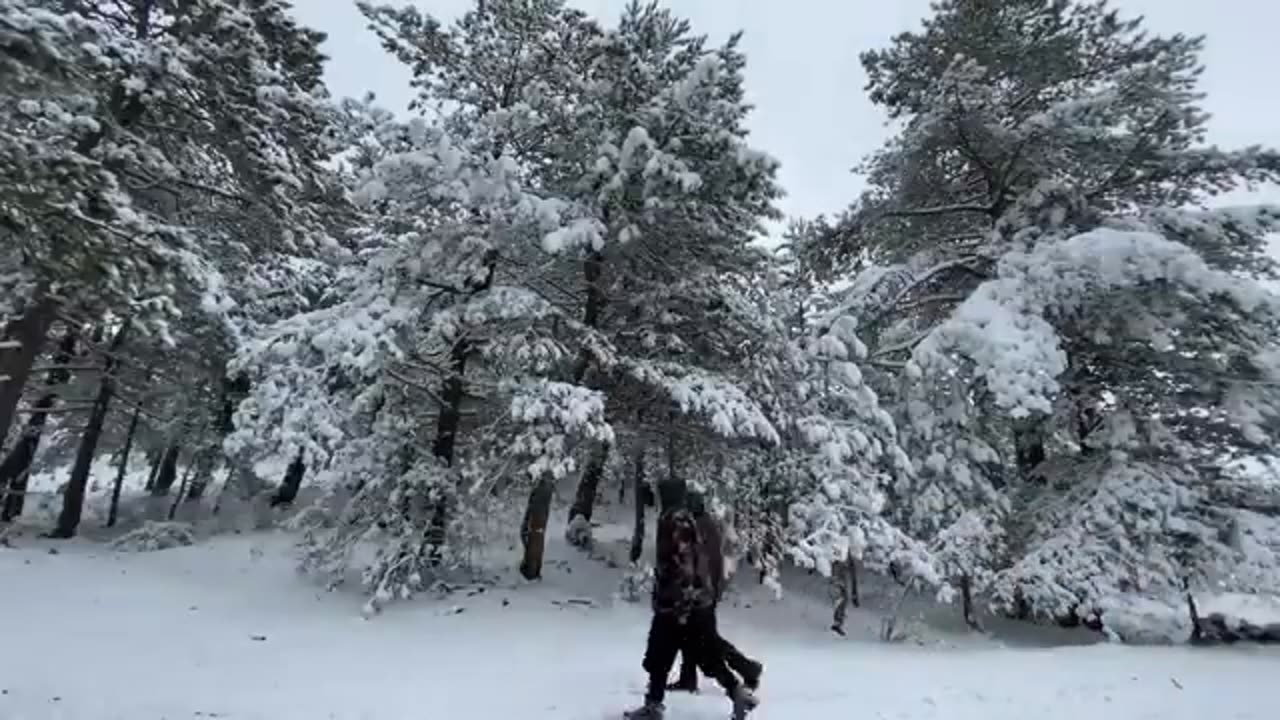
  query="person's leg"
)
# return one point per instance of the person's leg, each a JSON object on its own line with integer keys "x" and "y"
{"x": 666, "y": 636}
{"x": 706, "y": 642}
{"x": 750, "y": 670}
{"x": 688, "y": 679}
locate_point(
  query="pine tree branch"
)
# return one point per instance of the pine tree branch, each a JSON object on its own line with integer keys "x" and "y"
{"x": 971, "y": 206}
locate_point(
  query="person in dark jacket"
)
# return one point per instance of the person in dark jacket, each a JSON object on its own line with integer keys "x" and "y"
{"x": 713, "y": 545}
{"x": 683, "y": 611}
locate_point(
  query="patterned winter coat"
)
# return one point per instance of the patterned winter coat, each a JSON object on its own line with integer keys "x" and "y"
{"x": 683, "y": 577}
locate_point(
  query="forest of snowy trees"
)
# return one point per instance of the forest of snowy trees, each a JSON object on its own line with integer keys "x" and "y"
{"x": 1019, "y": 370}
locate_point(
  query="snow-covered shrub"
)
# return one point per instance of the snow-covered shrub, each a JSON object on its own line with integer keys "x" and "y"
{"x": 1140, "y": 620}
{"x": 153, "y": 536}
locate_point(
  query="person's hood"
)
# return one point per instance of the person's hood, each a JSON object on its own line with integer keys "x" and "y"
{"x": 672, "y": 494}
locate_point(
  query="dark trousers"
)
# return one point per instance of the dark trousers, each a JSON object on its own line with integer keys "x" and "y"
{"x": 698, "y": 637}
{"x": 733, "y": 659}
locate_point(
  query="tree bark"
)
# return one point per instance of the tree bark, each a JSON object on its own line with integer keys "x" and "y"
{"x": 113, "y": 512}
{"x": 153, "y": 459}
{"x": 15, "y": 471}
{"x": 533, "y": 532}
{"x": 167, "y": 473}
{"x": 182, "y": 488}
{"x": 966, "y": 599}
{"x": 584, "y": 501}
{"x": 202, "y": 472}
{"x": 73, "y": 498}
{"x": 293, "y": 475}
{"x": 233, "y": 391}
{"x": 588, "y": 485}
{"x": 641, "y": 500}
{"x": 1029, "y": 447}
{"x": 29, "y": 332}
{"x": 450, "y": 419}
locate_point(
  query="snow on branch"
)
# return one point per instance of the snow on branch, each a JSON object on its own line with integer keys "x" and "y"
{"x": 554, "y": 414}
{"x": 1005, "y": 327}
{"x": 727, "y": 405}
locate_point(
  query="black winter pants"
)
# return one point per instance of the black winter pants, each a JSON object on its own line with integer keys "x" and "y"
{"x": 733, "y": 659}
{"x": 698, "y": 637}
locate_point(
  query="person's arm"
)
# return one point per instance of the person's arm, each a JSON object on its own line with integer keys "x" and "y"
{"x": 662, "y": 548}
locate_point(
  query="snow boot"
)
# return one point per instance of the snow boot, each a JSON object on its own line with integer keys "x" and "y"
{"x": 648, "y": 711}
{"x": 744, "y": 701}
{"x": 752, "y": 677}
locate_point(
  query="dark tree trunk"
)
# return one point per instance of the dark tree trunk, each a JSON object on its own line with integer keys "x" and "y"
{"x": 533, "y": 532}
{"x": 114, "y": 511}
{"x": 966, "y": 599}
{"x": 584, "y": 501}
{"x": 15, "y": 470}
{"x": 293, "y": 475}
{"x": 182, "y": 488}
{"x": 588, "y": 485}
{"x": 855, "y": 596}
{"x": 450, "y": 419}
{"x": 73, "y": 498}
{"x": 201, "y": 474}
{"x": 153, "y": 459}
{"x": 445, "y": 443}
{"x": 1197, "y": 628}
{"x": 167, "y": 474}
{"x": 29, "y": 332}
{"x": 641, "y": 499}
{"x": 234, "y": 390}
{"x": 539, "y": 509}
{"x": 1029, "y": 448}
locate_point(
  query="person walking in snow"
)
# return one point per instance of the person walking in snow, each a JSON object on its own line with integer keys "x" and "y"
{"x": 683, "y": 611}
{"x": 712, "y": 544}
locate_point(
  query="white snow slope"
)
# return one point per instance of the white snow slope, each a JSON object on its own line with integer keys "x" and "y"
{"x": 224, "y": 630}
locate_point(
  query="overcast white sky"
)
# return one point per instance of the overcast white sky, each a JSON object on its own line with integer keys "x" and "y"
{"x": 804, "y": 78}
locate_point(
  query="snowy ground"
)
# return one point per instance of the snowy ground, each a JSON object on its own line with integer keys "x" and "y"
{"x": 225, "y": 630}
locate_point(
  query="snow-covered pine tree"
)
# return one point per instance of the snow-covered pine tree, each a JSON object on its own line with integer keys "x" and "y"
{"x": 1033, "y": 260}
{"x": 176, "y": 146}
{"x": 638, "y": 130}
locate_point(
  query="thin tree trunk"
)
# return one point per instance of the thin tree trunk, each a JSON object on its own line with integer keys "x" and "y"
{"x": 15, "y": 470}
{"x": 585, "y": 500}
{"x": 182, "y": 488}
{"x": 73, "y": 498}
{"x": 533, "y": 531}
{"x": 203, "y": 472}
{"x": 167, "y": 474}
{"x": 288, "y": 490}
{"x": 588, "y": 485}
{"x": 1029, "y": 447}
{"x": 114, "y": 511}
{"x": 966, "y": 600}
{"x": 24, "y": 339}
{"x": 855, "y": 595}
{"x": 450, "y": 418}
{"x": 153, "y": 459}
{"x": 641, "y": 499}
{"x": 233, "y": 391}
{"x": 445, "y": 443}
